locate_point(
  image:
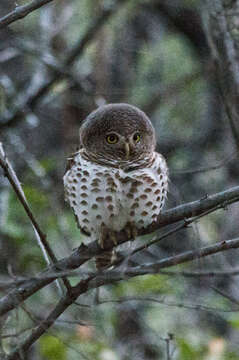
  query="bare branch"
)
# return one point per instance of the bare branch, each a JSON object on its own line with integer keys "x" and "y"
{"x": 198, "y": 207}
{"x": 62, "y": 305}
{"x": 12, "y": 178}
{"x": 181, "y": 226}
{"x": 229, "y": 297}
{"x": 111, "y": 276}
{"x": 165, "y": 302}
{"x": 196, "y": 274}
{"x": 84, "y": 253}
{"x": 21, "y": 11}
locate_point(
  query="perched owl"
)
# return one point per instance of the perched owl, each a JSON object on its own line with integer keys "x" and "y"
{"x": 116, "y": 180}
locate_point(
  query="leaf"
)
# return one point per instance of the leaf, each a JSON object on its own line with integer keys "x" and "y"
{"x": 188, "y": 352}
{"x": 52, "y": 348}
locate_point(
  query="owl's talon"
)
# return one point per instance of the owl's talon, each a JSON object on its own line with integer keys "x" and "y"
{"x": 107, "y": 235}
{"x": 104, "y": 260}
{"x": 103, "y": 235}
{"x": 112, "y": 237}
{"x": 134, "y": 232}
{"x": 128, "y": 232}
{"x": 101, "y": 241}
{"x": 131, "y": 230}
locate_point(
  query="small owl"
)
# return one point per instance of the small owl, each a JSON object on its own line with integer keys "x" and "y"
{"x": 116, "y": 180}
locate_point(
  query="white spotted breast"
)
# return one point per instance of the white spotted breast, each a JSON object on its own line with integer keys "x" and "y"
{"x": 104, "y": 194}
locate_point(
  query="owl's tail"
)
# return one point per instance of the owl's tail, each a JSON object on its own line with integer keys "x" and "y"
{"x": 104, "y": 260}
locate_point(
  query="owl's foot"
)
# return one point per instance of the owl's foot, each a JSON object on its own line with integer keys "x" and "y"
{"x": 106, "y": 236}
{"x": 131, "y": 230}
{"x": 105, "y": 259}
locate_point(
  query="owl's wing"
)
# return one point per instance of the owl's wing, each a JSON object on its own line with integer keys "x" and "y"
{"x": 161, "y": 168}
{"x": 70, "y": 160}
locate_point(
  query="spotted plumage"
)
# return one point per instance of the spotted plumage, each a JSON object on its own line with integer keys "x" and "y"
{"x": 116, "y": 178}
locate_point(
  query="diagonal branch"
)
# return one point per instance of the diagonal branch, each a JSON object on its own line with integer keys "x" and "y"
{"x": 85, "y": 253}
{"x": 12, "y": 178}
{"x": 40, "y": 236}
{"x": 21, "y": 11}
{"x": 62, "y": 305}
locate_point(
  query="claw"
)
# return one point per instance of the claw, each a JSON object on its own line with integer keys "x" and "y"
{"x": 106, "y": 234}
{"x": 104, "y": 260}
{"x": 103, "y": 235}
{"x": 112, "y": 237}
{"x": 131, "y": 230}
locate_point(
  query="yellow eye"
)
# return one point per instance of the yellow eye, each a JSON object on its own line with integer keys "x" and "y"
{"x": 136, "y": 137}
{"x": 112, "y": 139}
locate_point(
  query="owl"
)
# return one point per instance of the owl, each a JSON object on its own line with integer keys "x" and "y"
{"x": 116, "y": 180}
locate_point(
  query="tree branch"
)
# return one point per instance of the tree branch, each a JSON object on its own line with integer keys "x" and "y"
{"x": 166, "y": 302}
{"x": 21, "y": 11}
{"x": 112, "y": 276}
{"x": 40, "y": 236}
{"x": 13, "y": 180}
{"x": 85, "y": 253}
{"x": 62, "y": 305}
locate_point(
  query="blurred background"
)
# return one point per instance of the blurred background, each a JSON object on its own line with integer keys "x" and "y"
{"x": 56, "y": 66}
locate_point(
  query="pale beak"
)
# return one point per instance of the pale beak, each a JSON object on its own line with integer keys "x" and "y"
{"x": 127, "y": 150}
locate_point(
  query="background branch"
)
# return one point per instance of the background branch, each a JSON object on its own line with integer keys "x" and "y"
{"x": 47, "y": 251}
{"x": 21, "y": 11}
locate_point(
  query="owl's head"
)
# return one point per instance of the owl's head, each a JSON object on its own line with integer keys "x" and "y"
{"x": 118, "y": 132}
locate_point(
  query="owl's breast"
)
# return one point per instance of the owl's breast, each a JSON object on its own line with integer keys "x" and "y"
{"x": 95, "y": 194}
{"x": 146, "y": 192}
{"x": 107, "y": 195}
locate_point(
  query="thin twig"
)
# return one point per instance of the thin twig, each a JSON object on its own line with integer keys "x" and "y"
{"x": 12, "y": 178}
{"x": 168, "y": 339}
{"x": 21, "y": 11}
{"x": 184, "y": 225}
{"x": 112, "y": 276}
{"x": 165, "y": 302}
{"x": 62, "y": 305}
{"x": 196, "y": 274}
{"x": 227, "y": 296}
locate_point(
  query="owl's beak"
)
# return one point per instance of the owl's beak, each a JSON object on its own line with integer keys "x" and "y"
{"x": 127, "y": 150}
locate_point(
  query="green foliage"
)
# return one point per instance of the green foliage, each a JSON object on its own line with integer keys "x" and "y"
{"x": 52, "y": 348}
{"x": 188, "y": 352}
{"x": 231, "y": 356}
{"x": 148, "y": 284}
{"x": 36, "y": 197}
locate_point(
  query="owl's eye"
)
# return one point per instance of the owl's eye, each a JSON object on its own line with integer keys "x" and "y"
{"x": 112, "y": 139}
{"x": 136, "y": 137}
